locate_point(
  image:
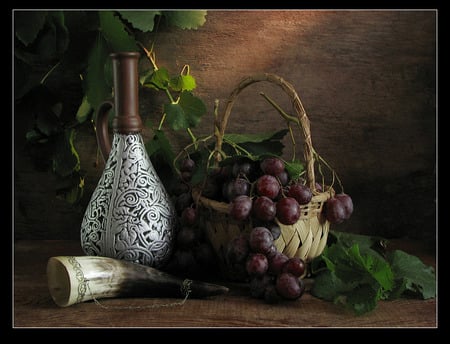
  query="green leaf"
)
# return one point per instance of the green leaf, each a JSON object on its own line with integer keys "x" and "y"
{"x": 84, "y": 110}
{"x": 185, "y": 19}
{"x": 158, "y": 79}
{"x": 412, "y": 275}
{"x": 362, "y": 299}
{"x": 257, "y": 138}
{"x": 193, "y": 108}
{"x": 364, "y": 242}
{"x": 182, "y": 83}
{"x": 28, "y": 24}
{"x": 96, "y": 88}
{"x": 114, "y": 32}
{"x": 328, "y": 287}
{"x": 141, "y": 20}
{"x": 258, "y": 145}
{"x": 176, "y": 118}
{"x": 160, "y": 144}
{"x": 295, "y": 169}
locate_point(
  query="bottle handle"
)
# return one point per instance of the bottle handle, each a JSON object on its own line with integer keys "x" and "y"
{"x": 102, "y": 132}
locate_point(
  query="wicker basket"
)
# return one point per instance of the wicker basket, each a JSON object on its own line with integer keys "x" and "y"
{"x": 308, "y": 236}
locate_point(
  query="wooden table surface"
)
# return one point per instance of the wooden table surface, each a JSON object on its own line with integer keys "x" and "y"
{"x": 33, "y": 306}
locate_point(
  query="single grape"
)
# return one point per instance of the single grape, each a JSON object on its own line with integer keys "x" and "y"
{"x": 240, "y": 207}
{"x": 276, "y": 262}
{"x": 258, "y": 285}
{"x": 260, "y": 240}
{"x": 243, "y": 167}
{"x": 275, "y": 230}
{"x": 283, "y": 178}
{"x": 256, "y": 264}
{"x": 187, "y": 165}
{"x": 268, "y": 185}
{"x": 347, "y": 202}
{"x": 238, "y": 249}
{"x": 288, "y": 210}
{"x": 295, "y": 266}
{"x": 271, "y": 295}
{"x": 335, "y": 211}
{"x": 301, "y": 193}
{"x": 272, "y": 166}
{"x": 183, "y": 201}
{"x": 289, "y": 286}
{"x": 264, "y": 208}
{"x": 235, "y": 187}
{"x": 189, "y": 216}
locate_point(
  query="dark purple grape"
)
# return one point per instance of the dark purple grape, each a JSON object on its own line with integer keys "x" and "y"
{"x": 186, "y": 176}
{"x": 187, "y": 165}
{"x": 272, "y": 166}
{"x": 260, "y": 240}
{"x": 276, "y": 263}
{"x": 289, "y": 286}
{"x": 256, "y": 264}
{"x": 295, "y": 266}
{"x": 189, "y": 216}
{"x": 347, "y": 202}
{"x": 235, "y": 187}
{"x": 275, "y": 230}
{"x": 335, "y": 211}
{"x": 180, "y": 188}
{"x": 268, "y": 185}
{"x": 271, "y": 295}
{"x": 288, "y": 210}
{"x": 238, "y": 249}
{"x": 301, "y": 193}
{"x": 183, "y": 201}
{"x": 264, "y": 208}
{"x": 241, "y": 207}
{"x": 283, "y": 178}
{"x": 318, "y": 187}
{"x": 258, "y": 285}
{"x": 242, "y": 168}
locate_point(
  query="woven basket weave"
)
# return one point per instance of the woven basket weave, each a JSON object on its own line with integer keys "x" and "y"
{"x": 308, "y": 236}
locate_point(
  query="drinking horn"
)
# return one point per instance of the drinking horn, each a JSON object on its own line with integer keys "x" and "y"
{"x": 75, "y": 279}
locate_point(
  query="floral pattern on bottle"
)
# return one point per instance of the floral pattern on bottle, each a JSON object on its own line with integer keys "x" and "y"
{"x": 130, "y": 215}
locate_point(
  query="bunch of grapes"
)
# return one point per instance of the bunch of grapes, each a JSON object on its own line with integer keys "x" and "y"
{"x": 272, "y": 275}
{"x": 193, "y": 255}
{"x": 262, "y": 193}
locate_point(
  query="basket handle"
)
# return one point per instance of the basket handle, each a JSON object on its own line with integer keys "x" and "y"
{"x": 221, "y": 123}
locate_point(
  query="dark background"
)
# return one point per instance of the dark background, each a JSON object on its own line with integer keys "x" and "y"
{"x": 367, "y": 80}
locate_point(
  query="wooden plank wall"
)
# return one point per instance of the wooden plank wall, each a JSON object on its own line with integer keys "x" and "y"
{"x": 366, "y": 78}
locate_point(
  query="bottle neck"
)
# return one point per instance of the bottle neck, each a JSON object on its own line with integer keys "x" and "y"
{"x": 126, "y": 93}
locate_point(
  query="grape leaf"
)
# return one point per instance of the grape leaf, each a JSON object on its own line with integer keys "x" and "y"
{"x": 114, "y": 32}
{"x": 193, "y": 108}
{"x": 160, "y": 144}
{"x": 412, "y": 275}
{"x": 185, "y": 19}
{"x": 156, "y": 79}
{"x": 28, "y": 24}
{"x": 175, "y": 116}
{"x": 182, "y": 83}
{"x": 141, "y": 20}
{"x": 258, "y": 137}
{"x": 295, "y": 169}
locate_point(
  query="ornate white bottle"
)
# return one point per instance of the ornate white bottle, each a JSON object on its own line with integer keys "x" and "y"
{"x": 130, "y": 215}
